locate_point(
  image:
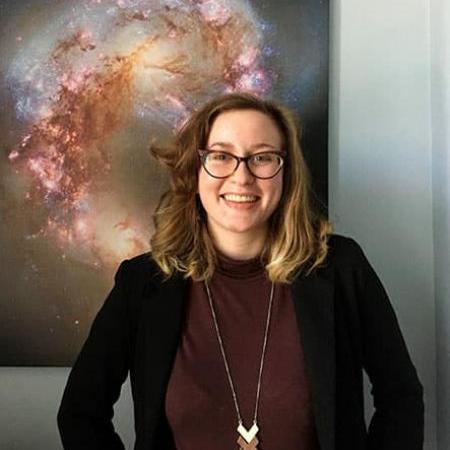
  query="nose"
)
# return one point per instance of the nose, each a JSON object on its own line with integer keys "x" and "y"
{"x": 242, "y": 175}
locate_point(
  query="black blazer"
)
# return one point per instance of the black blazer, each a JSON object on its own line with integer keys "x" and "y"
{"x": 346, "y": 324}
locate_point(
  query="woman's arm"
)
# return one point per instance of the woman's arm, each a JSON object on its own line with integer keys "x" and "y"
{"x": 86, "y": 411}
{"x": 398, "y": 421}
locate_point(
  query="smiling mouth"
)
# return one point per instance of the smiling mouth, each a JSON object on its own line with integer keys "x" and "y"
{"x": 237, "y": 198}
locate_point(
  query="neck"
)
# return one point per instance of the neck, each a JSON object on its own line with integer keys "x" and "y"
{"x": 239, "y": 246}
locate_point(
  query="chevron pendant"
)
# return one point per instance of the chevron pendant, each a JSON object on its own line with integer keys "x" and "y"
{"x": 247, "y": 439}
{"x": 244, "y": 445}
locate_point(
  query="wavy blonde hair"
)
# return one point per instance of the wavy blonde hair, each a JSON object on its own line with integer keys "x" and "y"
{"x": 298, "y": 234}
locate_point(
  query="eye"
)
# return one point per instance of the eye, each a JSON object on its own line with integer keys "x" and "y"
{"x": 264, "y": 158}
{"x": 219, "y": 157}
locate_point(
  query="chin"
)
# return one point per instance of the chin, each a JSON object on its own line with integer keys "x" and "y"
{"x": 244, "y": 228}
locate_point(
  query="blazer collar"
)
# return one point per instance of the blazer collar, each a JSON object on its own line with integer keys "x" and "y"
{"x": 313, "y": 298}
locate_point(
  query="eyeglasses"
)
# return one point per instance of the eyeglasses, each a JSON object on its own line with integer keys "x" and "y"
{"x": 261, "y": 165}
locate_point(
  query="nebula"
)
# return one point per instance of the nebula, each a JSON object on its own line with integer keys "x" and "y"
{"x": 87, "y": 85}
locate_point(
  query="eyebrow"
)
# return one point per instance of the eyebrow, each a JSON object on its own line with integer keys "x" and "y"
{"x": 230, "y": 146}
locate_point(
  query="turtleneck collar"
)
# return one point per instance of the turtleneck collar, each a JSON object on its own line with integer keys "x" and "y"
{"x": 239, "y": 268}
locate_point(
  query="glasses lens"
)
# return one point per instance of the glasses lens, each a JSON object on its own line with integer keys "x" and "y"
{"x": 265, "y": 165}
{"x": 219, "y": 164}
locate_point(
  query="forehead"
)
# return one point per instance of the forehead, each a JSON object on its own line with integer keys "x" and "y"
{"x": 246, "y": 127}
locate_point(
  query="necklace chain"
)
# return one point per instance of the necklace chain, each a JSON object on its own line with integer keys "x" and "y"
{"x": 224, "y": 356}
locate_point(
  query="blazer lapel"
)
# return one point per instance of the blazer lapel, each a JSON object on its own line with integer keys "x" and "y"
{"x": 314, "y": 306}
{"x": 160, "y": 328}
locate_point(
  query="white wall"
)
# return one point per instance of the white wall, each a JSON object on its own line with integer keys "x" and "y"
{"x": 440, "y": 109}
{"x": 29, "y": 399}
{"x": 381, "y": 172}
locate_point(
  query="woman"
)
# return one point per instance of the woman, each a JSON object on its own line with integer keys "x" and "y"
{"x": 249, "y": 325}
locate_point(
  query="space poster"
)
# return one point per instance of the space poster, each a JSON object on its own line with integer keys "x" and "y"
{"x": 85, "y": 87}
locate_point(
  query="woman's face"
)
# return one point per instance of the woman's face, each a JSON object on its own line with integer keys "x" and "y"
{"x": 241, "y": 203}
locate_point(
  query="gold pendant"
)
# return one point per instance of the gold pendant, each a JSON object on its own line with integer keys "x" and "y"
{"x": 247, "y": 438}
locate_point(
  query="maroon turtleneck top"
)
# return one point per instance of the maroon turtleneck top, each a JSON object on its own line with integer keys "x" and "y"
{"x": 199, "y": 403}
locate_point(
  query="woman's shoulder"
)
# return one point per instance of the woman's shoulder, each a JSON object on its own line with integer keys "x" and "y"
{"x": 144, "y": 261}
{"x": 140, "y": 267}
{"x": 345, "y": 251}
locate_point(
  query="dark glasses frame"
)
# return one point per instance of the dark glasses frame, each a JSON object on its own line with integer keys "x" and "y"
{"x": 203, "y": 153}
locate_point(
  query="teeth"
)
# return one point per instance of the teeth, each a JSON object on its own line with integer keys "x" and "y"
{"x": 240, "y": 198}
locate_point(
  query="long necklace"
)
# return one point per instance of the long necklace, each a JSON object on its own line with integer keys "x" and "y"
{"x": 247, "y": 438}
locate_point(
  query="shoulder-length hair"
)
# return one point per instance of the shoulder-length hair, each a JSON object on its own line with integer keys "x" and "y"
{"x": 298, "y": 234}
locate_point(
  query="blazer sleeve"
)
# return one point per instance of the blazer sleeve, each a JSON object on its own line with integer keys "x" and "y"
{"x": 94, "y": 384}
{"x": 398, "y": 421}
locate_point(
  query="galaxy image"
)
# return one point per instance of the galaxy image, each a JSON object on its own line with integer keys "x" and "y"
{"x": 86, "y": 86}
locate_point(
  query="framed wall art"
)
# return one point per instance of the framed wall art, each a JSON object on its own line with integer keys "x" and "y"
{"x": 85, "y": 86}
